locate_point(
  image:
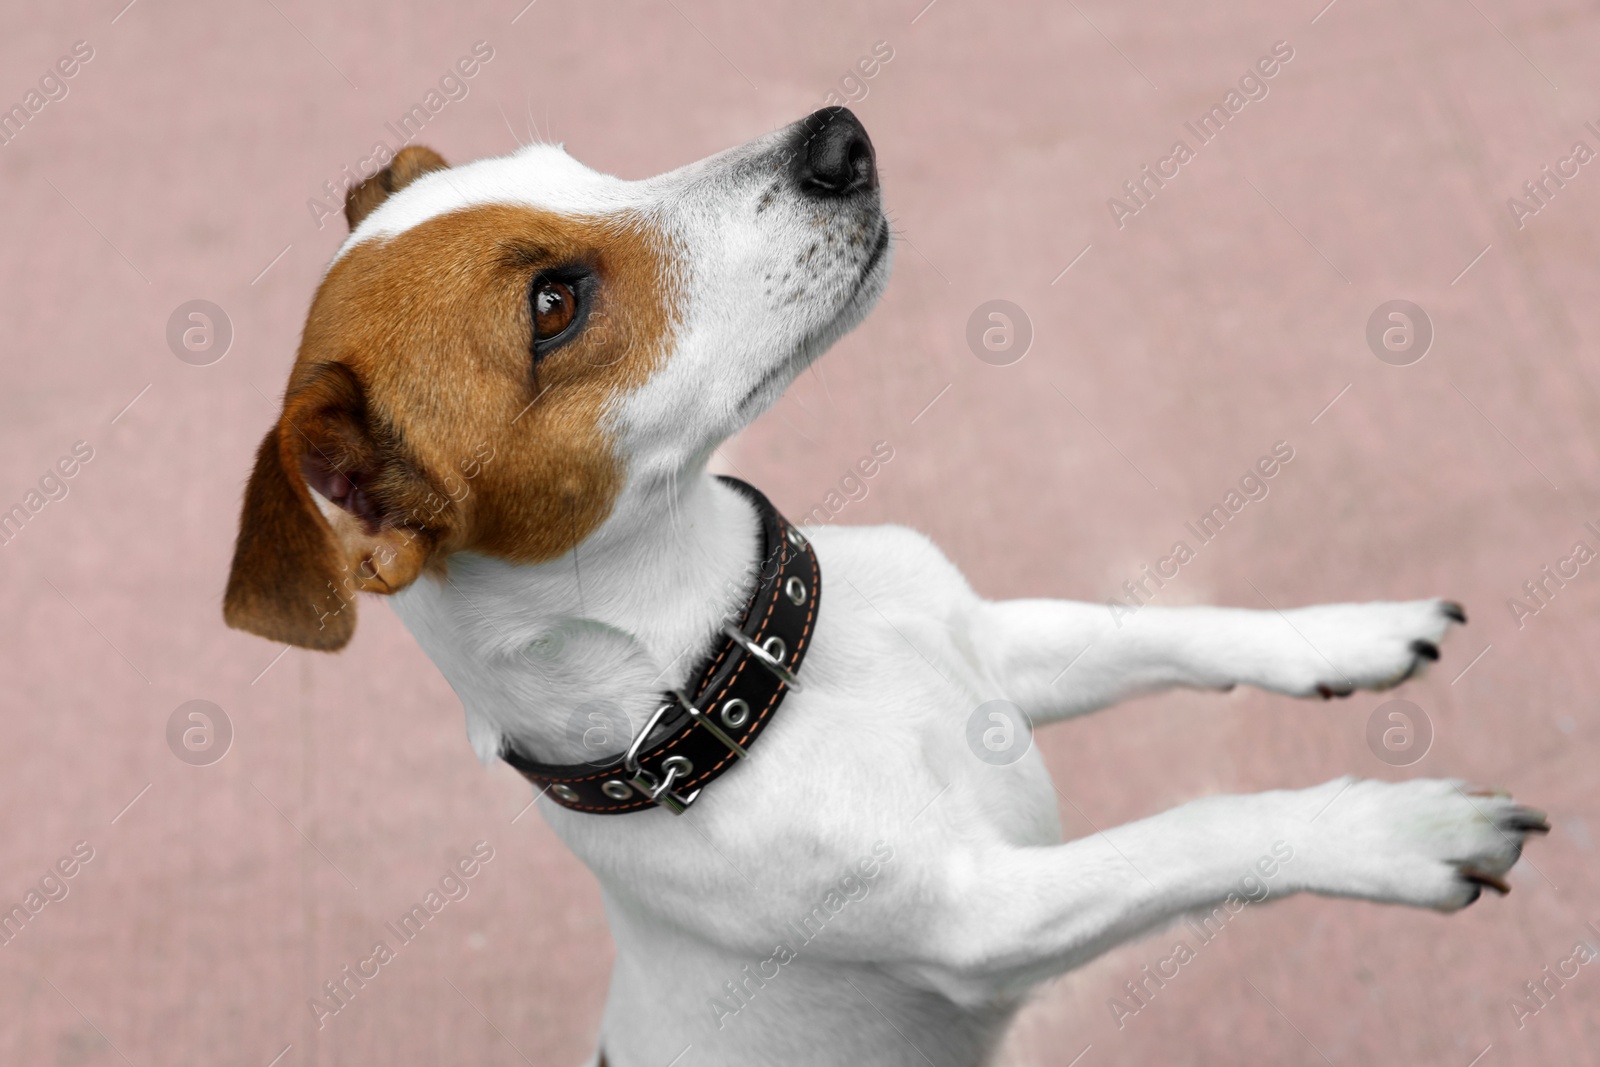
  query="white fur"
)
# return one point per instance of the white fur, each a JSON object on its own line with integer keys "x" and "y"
{"x": 981, "y": 900}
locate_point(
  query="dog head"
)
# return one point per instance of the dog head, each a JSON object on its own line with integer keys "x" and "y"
{"x": 501, "y": 349}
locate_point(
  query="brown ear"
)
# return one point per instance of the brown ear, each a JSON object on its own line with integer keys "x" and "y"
{"x": 285, "y": 581}
{"x": 410, "y": 163}
{"x": 297, "y": 565}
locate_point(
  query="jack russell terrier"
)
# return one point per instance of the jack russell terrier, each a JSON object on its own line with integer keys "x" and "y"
{"x": 509, "y": 386}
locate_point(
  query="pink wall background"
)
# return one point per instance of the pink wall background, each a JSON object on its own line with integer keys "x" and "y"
{"x": 1222, "y": 317}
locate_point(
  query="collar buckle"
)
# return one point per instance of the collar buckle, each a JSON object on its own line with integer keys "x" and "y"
{"x": 658, "y": 790}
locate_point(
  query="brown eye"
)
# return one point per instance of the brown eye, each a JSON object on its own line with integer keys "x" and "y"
{"x": 555, "y": 305}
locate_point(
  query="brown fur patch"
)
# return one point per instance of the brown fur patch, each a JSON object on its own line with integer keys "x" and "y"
{"x": 434, "y": 408}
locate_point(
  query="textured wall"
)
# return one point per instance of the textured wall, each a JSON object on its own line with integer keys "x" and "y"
{"x": 1196, "y": 327}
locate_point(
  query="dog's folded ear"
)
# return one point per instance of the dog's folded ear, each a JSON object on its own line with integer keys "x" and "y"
{"x": 409, "y": 164}
{"x": 333, "y": 507}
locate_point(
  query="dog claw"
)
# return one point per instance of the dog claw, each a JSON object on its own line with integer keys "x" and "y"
{"x": 1454, "y": 611}
{"x": 1425, "y": 649}
{"x": 1530, "y": 821}
{"x": 1327, "y": 692}
{"x": 1493, "y": 881}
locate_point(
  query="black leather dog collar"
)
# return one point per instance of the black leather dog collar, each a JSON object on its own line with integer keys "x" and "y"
{"x": 694, "y": 736}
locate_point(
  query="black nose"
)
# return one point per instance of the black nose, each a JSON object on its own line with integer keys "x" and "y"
{"x": 833, "y": 155}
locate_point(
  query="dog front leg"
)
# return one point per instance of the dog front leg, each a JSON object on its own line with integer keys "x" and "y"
{"x": 1009, "y": 917}
{"x": 1058, "y": 658}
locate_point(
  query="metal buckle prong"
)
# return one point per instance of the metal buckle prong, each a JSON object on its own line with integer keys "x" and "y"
{"x": 661, "y": 792}
{"x": 705, "y": 720}
{"x": 762, "y": 656}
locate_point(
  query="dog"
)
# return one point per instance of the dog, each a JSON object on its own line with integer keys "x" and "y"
{"x": 510, "y": 383}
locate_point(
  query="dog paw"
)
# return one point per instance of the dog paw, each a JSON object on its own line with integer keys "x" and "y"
{"x": 1428, "y": 843}
{"x": 1345, "y": 647}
